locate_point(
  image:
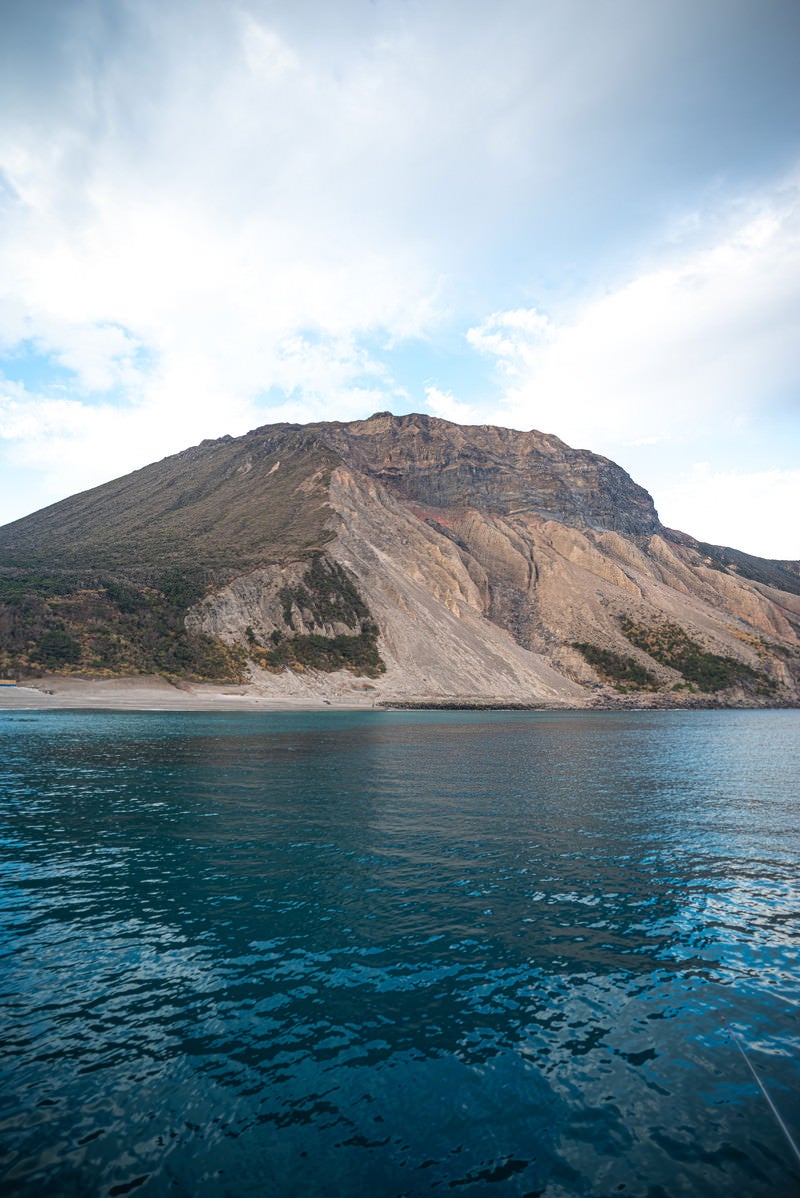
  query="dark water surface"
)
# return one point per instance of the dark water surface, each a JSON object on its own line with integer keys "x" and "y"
{"x": 412, "y": 953}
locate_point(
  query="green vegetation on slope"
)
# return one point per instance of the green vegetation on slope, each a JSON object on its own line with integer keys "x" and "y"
{"x": 325, "y": 595}
{"x": 311, "y": 651}
{"x": 107, "y": 627}
{"x": 113, "y": 626}
{"x": 101, "y": 582}
{"x": 669, "y": 645}
{"x": 625, "y": 673}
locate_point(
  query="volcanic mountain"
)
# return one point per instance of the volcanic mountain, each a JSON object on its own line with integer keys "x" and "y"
{"x": 402, "y": 558}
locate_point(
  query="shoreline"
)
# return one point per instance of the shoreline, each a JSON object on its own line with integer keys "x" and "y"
{"x": 150, "y": 693}
{"x": 155, "y": 694}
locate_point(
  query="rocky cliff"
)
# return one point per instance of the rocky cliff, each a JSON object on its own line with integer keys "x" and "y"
{"x": 405, "y": 559}
{"x": 444, "y": 466}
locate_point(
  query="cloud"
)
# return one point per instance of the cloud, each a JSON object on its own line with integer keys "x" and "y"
{"x": 208, "y": 179}
{"x": 702, "y": 336}
{"x": 54, "y": 446}
{"x": 217, "y": 215}
{"x": 217, "y": 223}
{"x": 755, "y": 512}
{"x": 446, "y": 406}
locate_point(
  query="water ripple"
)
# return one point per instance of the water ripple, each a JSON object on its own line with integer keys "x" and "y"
{"x": 399, "y": 954}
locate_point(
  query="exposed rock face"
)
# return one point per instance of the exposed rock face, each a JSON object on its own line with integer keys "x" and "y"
{"x": 436, "y": 464}
{"x": 482, "y": 564}
{"x": 484, "y": 555}
{"x": 256, "y": 600}
{"x": 430, "y": 608}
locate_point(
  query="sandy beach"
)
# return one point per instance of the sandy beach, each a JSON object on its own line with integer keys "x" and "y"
{"x": 286, "y": 692}
{"x": 157, "y": 694}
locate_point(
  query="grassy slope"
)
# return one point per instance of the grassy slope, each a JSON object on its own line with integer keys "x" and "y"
{"x": 101, "y": 582}
{"x": 222, "y": 507}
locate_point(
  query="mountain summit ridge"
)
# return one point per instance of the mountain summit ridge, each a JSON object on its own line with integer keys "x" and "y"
{"x": 402, "y": 556}
{"x": 433, "y": 461}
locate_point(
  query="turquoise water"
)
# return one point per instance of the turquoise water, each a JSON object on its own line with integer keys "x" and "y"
{"x": 409, "y": 953}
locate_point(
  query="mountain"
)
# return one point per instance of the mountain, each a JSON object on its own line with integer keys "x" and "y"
{"x": 403, "y": 558}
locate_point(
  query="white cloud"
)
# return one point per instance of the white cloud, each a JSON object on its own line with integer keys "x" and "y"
{"x": 71, "y": 445}
{"x": 446, "y": 406}
{"x": 701, "y": 337}
{"x": 212, "y": 231}
{"x": 210, "y": 179}
{"x": 217, "y": 215}
{"x": 57, "y": 446}
{"x": 515, "y": 339}
{"x": 755, "y": 512}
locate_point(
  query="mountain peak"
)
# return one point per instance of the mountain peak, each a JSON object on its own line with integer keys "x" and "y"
{"x": 471, "y": 562}
{"x": 441, "y": 464}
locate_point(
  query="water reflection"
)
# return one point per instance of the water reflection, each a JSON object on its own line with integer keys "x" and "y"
{"x": 398, "y": 953}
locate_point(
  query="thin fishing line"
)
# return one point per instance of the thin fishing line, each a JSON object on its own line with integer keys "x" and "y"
{"x": 792, "y": 1142}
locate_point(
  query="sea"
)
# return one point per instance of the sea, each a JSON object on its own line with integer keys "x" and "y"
{"x": 400, "y": 953}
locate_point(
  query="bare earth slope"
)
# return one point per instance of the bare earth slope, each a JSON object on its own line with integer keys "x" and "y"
{"x": 400, "y": 559}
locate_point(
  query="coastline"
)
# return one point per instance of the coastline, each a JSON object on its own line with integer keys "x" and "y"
{"x": 152, "y": 693}
{"x": 157, "y": 694}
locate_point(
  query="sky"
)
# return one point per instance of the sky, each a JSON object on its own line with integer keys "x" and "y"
{"x": 579, "y": 216}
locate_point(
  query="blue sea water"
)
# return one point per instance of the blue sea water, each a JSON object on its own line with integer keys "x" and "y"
{"x": 400, "y": 953}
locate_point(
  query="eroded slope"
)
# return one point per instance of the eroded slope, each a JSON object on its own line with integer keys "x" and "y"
{"x": 403, "y": 557}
